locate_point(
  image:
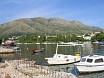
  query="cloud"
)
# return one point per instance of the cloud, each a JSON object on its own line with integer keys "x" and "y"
{"x": 37, "y": 10}
{"x": 89, "y": 12}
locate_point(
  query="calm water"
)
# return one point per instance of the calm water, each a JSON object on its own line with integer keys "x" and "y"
{"x": 49, "y": 51}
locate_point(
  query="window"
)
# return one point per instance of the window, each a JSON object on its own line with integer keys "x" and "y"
{"x": 98, "y": 60}
{"x": 83, "y": 59}
{"x": 89, "y": 60}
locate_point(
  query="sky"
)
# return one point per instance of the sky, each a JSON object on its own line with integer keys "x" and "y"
{"x": 89, "y": 12}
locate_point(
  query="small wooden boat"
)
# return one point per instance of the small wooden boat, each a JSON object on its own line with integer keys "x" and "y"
{"x": 37, "y": 50}
{"x": 90, "y": 63}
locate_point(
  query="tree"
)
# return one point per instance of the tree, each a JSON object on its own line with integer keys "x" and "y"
{"x": 98, "y": 37}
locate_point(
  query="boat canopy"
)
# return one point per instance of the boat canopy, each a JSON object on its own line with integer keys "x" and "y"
{"x": 92, "y": 59}
{"x": 68, "y": 44}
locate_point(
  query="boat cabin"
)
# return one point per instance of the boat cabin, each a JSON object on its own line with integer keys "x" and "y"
{"x": 92, "y": 59}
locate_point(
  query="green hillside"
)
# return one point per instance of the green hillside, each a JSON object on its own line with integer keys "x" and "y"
{"x": 45, "y": 26}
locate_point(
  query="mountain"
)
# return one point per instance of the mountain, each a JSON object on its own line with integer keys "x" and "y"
{"x": 42, "y": 25}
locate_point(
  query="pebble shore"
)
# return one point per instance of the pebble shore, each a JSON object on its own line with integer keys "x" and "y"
{"x": 26, "y": 69}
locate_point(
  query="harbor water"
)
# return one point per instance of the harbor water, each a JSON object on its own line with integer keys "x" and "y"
{"x": 49, "y": 51}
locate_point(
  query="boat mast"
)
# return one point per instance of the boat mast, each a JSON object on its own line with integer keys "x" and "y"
{"x": 56, "y": 48}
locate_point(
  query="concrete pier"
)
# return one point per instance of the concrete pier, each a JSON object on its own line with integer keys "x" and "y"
{"x": 7, "y": 71}
{"x": 27, "y": 69}
{"x": 6, "y": 50}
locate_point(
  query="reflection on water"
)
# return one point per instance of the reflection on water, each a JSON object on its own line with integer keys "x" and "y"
{"x": 61, "y": 68}
{"x": 10, "y": 56}
{"x": 92, "y": 75}
{"x": 49, "y": 51}
{"x": 7, "y": 55}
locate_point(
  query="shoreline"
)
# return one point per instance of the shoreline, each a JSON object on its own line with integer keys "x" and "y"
{"x": 50, "y": 43}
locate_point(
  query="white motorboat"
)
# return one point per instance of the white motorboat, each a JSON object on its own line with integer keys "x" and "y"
{"x": 63, "y": 59}
{"x": 90, "y": 63}
{"x": 15, "y": 48}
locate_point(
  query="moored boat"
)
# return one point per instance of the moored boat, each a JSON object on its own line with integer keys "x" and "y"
{"x": 37, "y": 50}
{"x": 10, "y": 44}
{"x": 15, "y": 48}
{"x": 63, "y": 59}
{"x": 101, "y": 43}
{"x": 90, "y": 63}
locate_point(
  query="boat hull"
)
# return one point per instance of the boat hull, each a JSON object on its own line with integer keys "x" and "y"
{"x": 53, "y": 61}
{"x": 90, "y": 68}
{"x": 64, "y": 60}
{"x": 37, "y": 50}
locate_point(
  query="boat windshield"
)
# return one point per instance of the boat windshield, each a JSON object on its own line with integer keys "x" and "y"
{"x": 89, "y": 60}
{"x": 99, "y": 60}
{"x": 83, "y": 59}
